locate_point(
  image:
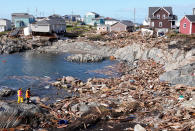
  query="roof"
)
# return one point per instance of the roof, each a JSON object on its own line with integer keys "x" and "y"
{"x": 40, "y": 17}
{"x": 191, "y": 17}
{"x": 4, "y": 19}
{"x": 152, "y": 10}
{"x": 98, "y": 18}
{"x": 110, "y": 19}
{"x": 125, "y": 22}
{"x": 93, "y": 13}
{"x": 72, "y": 15}
{"x": 51, "y": 20}
{"x": 25, "y": 15}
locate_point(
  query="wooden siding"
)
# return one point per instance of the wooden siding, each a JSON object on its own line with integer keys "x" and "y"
{"x": 193, "y": 28}
{"x": 118, "y": 27}
{"x": 187, "y": 29}
{"x": 165, "y": 22}
{"x": 39, "y": 28}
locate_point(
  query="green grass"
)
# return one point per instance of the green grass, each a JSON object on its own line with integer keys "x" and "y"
{"x": 78, "y": 30}
{"x": 179, "y": 35}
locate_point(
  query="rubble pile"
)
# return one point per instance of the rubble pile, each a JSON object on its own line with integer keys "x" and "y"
{"x": 134, "y": 98}
{"x": 123, "y": 39}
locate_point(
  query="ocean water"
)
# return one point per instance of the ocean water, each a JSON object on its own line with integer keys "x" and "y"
{"x": 37, "y": 71}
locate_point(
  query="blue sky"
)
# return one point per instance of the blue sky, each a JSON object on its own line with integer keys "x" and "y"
{"x": 120, "y": 9}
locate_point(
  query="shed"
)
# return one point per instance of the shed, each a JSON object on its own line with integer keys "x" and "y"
{"x": 187, "y": 25}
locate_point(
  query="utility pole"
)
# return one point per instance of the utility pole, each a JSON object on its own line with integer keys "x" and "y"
{"x": 36, "y": 11}
{"x": 27, "y": 10}
{"x": 134, "y": 14}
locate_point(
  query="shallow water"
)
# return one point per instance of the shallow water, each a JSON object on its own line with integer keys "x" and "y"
{"x": 37, "y": 71}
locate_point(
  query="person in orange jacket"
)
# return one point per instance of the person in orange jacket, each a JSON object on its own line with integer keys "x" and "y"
{"x": 20, "y": 97}
{"x": 28, "y": 95}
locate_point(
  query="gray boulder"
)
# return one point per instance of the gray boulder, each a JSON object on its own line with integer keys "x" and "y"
{"x": 5, "y": 91}
{"x": 183, "y": 75}
{"x": 12, "y": 114}
{"x": 85, "y": 58}
{"x": 80, "y": 108}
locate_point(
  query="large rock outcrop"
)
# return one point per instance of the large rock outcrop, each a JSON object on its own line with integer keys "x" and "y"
{"x": 13, "y": 45}
{"x": 178, "y": 64}
{"x": 85, "y": 58}
{"x": 12, "y": 114}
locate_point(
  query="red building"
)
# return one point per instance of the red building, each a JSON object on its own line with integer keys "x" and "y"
{"x": 187, "y": 25}
{"x": 162, "y": 18}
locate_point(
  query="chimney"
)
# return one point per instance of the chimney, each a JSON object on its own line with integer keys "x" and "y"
{"x": 193, "y": 11}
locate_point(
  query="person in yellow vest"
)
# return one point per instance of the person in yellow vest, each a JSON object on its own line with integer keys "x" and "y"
{"x": 20, "y": 97}
{"x": 28, "y": 95}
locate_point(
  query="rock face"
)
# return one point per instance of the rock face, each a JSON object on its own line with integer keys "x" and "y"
{"x": 9, "y": 45}
{"x": 4, "y": 92}
{"x": 183, "y": 75}
{"x": 178, "y": 64}
{"x": 12, "y": 115}
{"x": 79, "y": 47}
{"x": 85, "y": 58}
{"x": 172, "y": 59}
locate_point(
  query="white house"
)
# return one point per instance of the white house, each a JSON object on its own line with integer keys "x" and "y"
{"x": 146, "y": 23}
{"x": 103, "y": 28}
{"x": 52, "y": 24}
{"x": 5, "y": 25}
{"x": 110, "y": 21}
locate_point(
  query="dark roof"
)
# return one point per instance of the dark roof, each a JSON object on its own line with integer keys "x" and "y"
{"x": 40, "y": 17}
{"x": 108, "y": 18}
{"x": 98, "y": 18}
{"x": 4, "y": 19}
{"x": 95, "y": 13}
{"x": 191, "y": 17}
{"x": 127, "y": 22}
{"x": 72, "y": 16}
{"x": 24, "y": 15}
{"x": 154, "y": 9}
{"x": 51, "y": 20}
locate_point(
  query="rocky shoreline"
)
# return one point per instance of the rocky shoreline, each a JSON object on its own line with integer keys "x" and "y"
{"x": 14, "y": 45}
{"x": 172, "y": 59}
{"x": 135, "y": 100}
{"x": 154, "y": 92}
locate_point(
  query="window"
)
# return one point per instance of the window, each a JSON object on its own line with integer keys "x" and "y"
{"x": 160, "y": 24}
{"x": 184, "y": 25}
{"x": 158, "y": 16}
{"x": 152, "y": 24}
{"x": 164, "y": 16}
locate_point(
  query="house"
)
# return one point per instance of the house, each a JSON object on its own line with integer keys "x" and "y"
{"x": 161, "y": 18}
{"x": 121, "y": 26}
{"x": 52, "y": 24}
{"x": 72, "y": 18}
{"x": 92, "y": 18}
{"x": 187, "y": 25}
{"x": 193, "y": 11}
{"x": 39, "y": 18}
{"x": 22, "y": 19}
{"x": 99, "y": 21}
{"x": 145, "y": 23}
{"x": 110, "y": 21}
{"x": 5, "y": 25}
{"x": 103, "y": 28}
